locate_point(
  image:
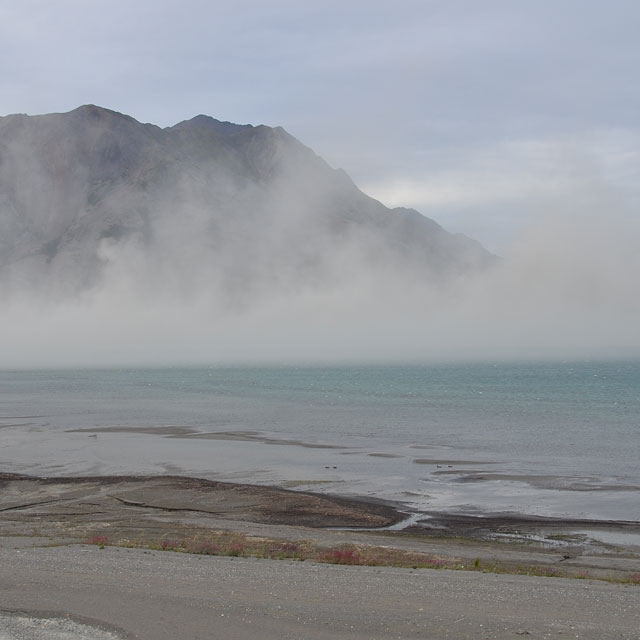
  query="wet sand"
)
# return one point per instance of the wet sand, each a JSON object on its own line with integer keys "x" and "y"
{"x": 189, "y": 433}
{"x": 110, "y": 499}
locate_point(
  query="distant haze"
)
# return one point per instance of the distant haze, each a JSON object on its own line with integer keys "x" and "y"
{"x": 125, "y": 244}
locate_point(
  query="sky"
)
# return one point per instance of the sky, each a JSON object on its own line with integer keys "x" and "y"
{"x": 489, "y": 117}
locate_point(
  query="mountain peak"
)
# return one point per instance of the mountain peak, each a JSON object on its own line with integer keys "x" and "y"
{"x": 202, "y": 121}
{"x": 92, "y": 109}
{"x": 97, "y": 113}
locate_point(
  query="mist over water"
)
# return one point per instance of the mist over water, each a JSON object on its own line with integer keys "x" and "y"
{"x": 263, "y": 253}
{"x": 565, "y": 291}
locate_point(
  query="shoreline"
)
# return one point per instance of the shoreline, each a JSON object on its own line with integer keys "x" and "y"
{"x": 150, "y": 509}
{"x": 395, "y": 511}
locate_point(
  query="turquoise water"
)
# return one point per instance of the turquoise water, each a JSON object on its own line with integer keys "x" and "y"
{"x": 548, "y": 438}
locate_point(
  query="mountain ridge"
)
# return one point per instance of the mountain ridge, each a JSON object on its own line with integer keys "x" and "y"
{"x": 92, "y": 190}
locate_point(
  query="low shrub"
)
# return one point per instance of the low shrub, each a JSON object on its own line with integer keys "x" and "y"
{"x": 101, "y": 541}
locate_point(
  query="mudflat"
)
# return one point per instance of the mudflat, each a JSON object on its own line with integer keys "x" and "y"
{"x": 74, "y": 503}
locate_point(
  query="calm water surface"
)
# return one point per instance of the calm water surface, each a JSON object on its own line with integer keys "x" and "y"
{"x": 547, "y": 438}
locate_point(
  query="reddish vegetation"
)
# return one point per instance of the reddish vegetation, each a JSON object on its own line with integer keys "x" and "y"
{"x": 237, "y": 545}
{"x": 341, "y": 556}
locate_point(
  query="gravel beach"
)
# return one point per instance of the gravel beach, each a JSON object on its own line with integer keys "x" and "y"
{"x": 134, "y": 593}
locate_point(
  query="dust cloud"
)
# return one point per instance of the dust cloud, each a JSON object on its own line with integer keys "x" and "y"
{"x": 568, "y": 288}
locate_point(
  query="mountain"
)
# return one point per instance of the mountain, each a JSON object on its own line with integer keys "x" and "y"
{"x": 94, "y": 194}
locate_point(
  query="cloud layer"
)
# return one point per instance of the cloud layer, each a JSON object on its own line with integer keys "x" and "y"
{"x": 569, "y": 289}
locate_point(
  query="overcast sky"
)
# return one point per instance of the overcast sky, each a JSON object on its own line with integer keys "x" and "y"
{"x": 484, "y": 115}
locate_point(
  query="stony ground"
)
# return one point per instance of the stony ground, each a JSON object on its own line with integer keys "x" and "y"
{"x": 134, "y": 593}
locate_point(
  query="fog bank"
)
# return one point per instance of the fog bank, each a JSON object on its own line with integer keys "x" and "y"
{"x": 568, "y": 289}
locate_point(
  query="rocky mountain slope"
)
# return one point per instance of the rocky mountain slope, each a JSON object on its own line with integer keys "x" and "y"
{"x": 94, "y": 194}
